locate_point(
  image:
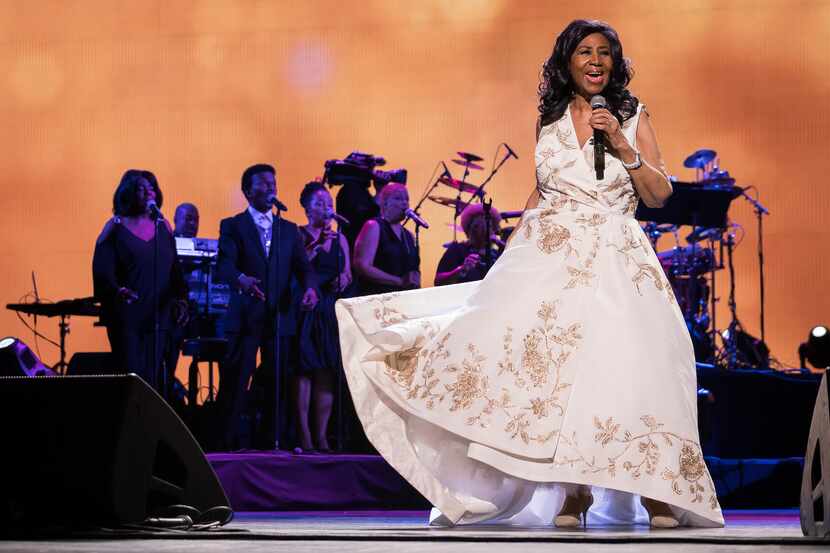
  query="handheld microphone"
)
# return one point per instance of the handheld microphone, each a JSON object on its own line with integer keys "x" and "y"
{"x": 510, "y": 150}
{"x": 331, "y": 214}
{"x": 155, "y": 212}
{"x": 272, "y": 200}
{"x": 415, "y": 217}
{"x": 598, "y": 102}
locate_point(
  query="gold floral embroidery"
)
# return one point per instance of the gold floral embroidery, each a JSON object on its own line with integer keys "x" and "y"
{"x": 422, "y": 375}
{"x": 547, "y": 174}
{"x": 644, "y": 270}
{"x": 564, "y": 136}
{"x": 384, "y": 313}
{"x": 641, "y": 454}
{"x": 553, "y": 236}
{"x": 579, "y": 277}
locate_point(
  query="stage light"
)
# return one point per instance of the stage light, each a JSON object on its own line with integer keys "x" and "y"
{"x": 816, "y": 349}
{"x": 16, "y": 359}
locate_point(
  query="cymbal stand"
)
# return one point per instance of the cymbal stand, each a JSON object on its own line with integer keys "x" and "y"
{"x": 730, "y": 341}
{"x": 488, "y": 244}
{"x": 457, "y": 211}
{"x": 421, "y": 201}
{"x": 479, "y": 193}
{"x": 63, "y": 326}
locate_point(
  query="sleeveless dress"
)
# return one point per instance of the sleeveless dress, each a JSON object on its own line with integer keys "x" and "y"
{"x": 319, "y": 346}
{"x": 395, "y": 255}
{"x": 570, "y": 363}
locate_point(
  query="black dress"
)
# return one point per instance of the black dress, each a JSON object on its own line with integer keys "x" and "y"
{"x": 455, "y": 255}
{"x": 395, "y": 256}
{"x": 319, "y": 337}
{"x": 123, "y": 259}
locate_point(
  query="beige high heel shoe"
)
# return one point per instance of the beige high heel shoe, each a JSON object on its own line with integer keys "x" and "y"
{"x": 659, "y": 514}
{"x": 574, "y": 511}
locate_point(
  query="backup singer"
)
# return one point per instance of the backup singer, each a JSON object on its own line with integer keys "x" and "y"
{"x": 385, "y": 256}
{"x": 562, "y": 386}
{"x": 319, "y": 356}
{"x": 467, "y": 261}
{"x": 259, "y": 254}
{"x": 134, "y": 267}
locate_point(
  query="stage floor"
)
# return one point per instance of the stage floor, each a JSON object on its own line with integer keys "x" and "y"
{"x": 384, "y": 531}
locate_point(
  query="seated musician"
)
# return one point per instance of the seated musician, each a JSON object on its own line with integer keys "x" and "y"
{"x": 467, "y": 261}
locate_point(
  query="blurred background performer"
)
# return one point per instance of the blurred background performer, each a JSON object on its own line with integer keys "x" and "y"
{"x": 259, "y": 254}
{"x": 186, "y": 221}
{"x": 467, "y": 261}
{"x": 185, "y": 225}
{"x": 319, "y": 355}
{"x": 131, "y": 245}
{"x": 386, "y": 259}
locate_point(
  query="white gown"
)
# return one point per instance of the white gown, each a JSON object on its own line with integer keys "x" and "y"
{"x": 570, "y": 363}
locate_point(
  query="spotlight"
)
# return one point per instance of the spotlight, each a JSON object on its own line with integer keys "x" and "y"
{"x": 16, "y": 359}
{"x": 816, "y": 349}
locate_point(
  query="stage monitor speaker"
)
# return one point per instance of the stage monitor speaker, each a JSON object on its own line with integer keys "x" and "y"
{"x": 91, "y": 451}
{"x": 815, "y": 480}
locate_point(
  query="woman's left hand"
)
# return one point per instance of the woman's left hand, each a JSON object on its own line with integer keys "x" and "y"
{"x": 345, "y": 280}
{"x": 604, "y": 120}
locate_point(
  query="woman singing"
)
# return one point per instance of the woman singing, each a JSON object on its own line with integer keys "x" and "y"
{"x": 130, "y": 290}
{"x": 385, "y": 256}
{"x": 561, "y": 387}
{"x": 328, "y": 254}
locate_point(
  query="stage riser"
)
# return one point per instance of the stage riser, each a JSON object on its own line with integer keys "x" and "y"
{"x": 286, "y": 482}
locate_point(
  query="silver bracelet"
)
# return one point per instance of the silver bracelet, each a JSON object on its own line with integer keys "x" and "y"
{"x": 636, "y": 164}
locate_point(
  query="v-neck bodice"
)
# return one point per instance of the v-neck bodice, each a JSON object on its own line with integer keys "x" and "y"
{"x": 565, "y": 174}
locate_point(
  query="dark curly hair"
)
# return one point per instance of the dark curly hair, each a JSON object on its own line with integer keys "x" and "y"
{"x": 123, "y": 201}
{"x": 309, "y": 190}
{"x": 556, "y": 88}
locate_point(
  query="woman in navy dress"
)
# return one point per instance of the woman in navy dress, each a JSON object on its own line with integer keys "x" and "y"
{"x": 319, "y": 359}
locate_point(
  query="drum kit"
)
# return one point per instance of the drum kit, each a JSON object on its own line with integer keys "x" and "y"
{"x": 691, "y": 269}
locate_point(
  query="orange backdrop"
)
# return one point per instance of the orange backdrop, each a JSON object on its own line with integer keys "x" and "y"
{"x": 197, "y": 90}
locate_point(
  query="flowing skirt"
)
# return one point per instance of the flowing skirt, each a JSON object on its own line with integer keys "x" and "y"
{"x": 570, "y": 363}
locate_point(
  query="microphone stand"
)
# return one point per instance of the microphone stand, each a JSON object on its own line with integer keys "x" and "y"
{"x": 760, "y": 211}
{"x": 339, "y": 370}
{"x": 277, "y": 338}
{"x": 418, "y": 206}
{"x": 161, "y": 387}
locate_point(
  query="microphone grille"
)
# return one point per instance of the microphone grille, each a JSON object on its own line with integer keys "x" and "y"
{"x": 598, "y": 101}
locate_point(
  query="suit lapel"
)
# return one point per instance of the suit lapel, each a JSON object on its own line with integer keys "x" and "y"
{"x": 249, "y": 229}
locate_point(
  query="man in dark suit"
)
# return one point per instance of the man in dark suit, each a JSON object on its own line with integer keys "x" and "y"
{"x": 259, "y": 255}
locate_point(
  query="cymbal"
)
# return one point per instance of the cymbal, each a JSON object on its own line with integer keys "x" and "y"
{"x": 82, "y": 307}
{"x": 703, "y": 233}
{"x": 468, "y": 164}
{"x": 470, "y": 157}
{"x": 460, "y": 185}
{"x": 700, "y": 159}
{"x": 448, "y": 202}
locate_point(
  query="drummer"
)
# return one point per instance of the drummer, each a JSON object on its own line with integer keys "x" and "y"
{"x": 467, "y": 261}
